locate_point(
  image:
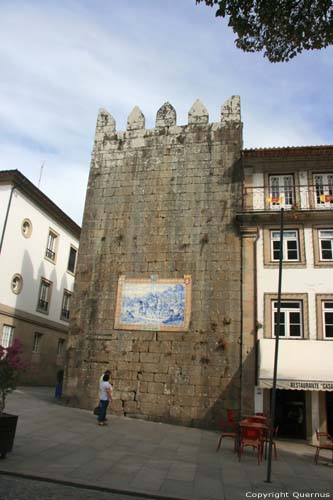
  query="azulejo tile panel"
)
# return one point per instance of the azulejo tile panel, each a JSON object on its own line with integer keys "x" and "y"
{"x": 153, "y": 304}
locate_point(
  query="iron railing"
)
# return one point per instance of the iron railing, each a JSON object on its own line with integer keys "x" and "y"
{"x": 300, "y": 197}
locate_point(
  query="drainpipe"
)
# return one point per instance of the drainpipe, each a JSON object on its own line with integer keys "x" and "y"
{"x": 6, "y": 218}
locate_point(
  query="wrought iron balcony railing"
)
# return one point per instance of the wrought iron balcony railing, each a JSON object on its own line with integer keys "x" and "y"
{"x": 301, "y": 197}
{"x": 43, "y": 305}
{"x": 50, "y": 254}
{"x": 65, "y": 314}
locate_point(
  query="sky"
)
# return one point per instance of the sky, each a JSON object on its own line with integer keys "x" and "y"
{"x": 62, "y": 61}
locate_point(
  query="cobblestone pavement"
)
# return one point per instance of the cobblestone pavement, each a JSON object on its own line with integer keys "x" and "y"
{"x": 17, "y": 488}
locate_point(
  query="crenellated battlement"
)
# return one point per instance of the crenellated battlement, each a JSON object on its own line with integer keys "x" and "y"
{"x": 166, "y": 117}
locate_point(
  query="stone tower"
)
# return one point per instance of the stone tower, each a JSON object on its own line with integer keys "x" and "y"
{"x": 160, "y": 208}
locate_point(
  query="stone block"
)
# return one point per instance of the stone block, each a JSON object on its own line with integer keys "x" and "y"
{"x": 155, "y": 388}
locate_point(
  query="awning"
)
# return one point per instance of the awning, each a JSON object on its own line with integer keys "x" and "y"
{"x": 303, "y": 365}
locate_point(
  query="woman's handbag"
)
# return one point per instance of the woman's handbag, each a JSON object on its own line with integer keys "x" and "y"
{"x": 96, "y": 410}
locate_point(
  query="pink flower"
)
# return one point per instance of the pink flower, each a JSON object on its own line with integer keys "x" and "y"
{"x": 11, "y": 366}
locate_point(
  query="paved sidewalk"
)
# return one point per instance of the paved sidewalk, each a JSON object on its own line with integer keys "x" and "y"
{"x": 157, "y": 460}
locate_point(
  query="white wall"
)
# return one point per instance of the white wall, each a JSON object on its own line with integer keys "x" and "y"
{"x": 4, "y": 199}
{"x": 308, "y": 280}
{"x": 27, "y": 257}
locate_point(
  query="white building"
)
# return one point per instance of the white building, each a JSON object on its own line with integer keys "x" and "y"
{"x": 301, "y": 181}
{"x": 38, "y": 245}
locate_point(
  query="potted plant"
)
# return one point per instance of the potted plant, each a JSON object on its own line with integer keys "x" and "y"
{"x": 10, "y": 367}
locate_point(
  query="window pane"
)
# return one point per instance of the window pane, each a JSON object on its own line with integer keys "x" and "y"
{"x": 7, "y": 335}
{"x": 282, "y": 325}
{"x": 292, "y": 250}
{"x": 326, "y": 249}
{"x": 295, "y": 330}
{"x": 329, "y": 331}
{"x": 295, "y": 317}
{"x": 276, "y": 250}
{"x": 71, "y": 260}
{"x": 328, "y": 305}
{"x": 326, "y": 233}
{"x": 290, "y": 234}
{"x": 329, "y": 318}
{"x": 290, "y": 305}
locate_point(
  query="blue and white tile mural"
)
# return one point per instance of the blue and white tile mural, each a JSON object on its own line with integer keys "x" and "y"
{"x": 147, "y": 304}
{"x": 157, "y": 304}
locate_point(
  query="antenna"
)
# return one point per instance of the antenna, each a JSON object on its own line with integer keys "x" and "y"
{"x": 41, "y": 173}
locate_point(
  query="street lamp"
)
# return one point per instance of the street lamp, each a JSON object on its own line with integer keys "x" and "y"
{"x": 277, "y": 335}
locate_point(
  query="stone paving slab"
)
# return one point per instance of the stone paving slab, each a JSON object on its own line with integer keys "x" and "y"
{"x": 156, "y": 460}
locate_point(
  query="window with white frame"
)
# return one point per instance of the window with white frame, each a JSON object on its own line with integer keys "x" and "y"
{"x": 37, "y": 342}
{"x": 290, "y": 250}
{"x": 325, "y": 237}
{"x": 61, "y": 347}
{"x": 281, "y": 191}
{"x": 72, "y": 260}
{"x": 44, "y": 296}
{"x": 324, "y": 190}
{"x": 291, "y": 319}
{"x": 51, "y": 246}
{"x": 327, "y": 308}
{"x": 7, "y": 335}
{"x": 65, "y": 308}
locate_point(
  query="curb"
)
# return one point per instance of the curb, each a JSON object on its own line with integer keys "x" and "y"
{"x": 142, "y": 494}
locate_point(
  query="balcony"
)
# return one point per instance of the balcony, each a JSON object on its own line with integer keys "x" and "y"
{"x": 50, "y": 254}
{"x": 299, "y": 202}
{"x": 43, "y": 305}
{"x": 65, "y": 314}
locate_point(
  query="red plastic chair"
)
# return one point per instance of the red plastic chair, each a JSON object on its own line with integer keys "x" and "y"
{"x": 250, "y": 436}
{"x": 266, "y": 441}
{"x": 325, "y": 442}
{"x": 228, "y": 430}
{"x": 231, "y": 416}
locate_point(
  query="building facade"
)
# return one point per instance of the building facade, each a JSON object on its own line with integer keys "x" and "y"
{"x": 158, "y": 289}
{"x": 299, "y": 180}
{"x": 39, "y": 245}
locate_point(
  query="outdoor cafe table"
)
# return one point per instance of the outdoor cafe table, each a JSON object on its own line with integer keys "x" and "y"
{"x": 256, "y": 425}
{"x": 257, "y": 418}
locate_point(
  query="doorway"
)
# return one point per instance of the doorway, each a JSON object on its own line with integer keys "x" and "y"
{"x": 291, "y": 414}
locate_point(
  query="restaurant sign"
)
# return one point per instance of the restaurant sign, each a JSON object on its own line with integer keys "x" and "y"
{"x": 298, "y": 385}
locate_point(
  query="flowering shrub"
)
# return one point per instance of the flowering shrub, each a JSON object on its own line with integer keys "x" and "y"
{"x": 11, "y": 366}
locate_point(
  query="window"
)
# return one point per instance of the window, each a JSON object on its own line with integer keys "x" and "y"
{"x": 290, "y": 250}
{"x": 17, "y": 284}
{"x": 66, "y": 305}
{"x": 326, "y": 244}
{"x": 327, "y": 307}
{"x": 290, "y": 319}
{"x": 72, "y": 259}
{"x": 44, "y": 296}
{"x": 51, "y": 246}
{"x": 37, "y": 342}
{"x": 324, "y": 190}
{"x": 7, "y": 335}
{"x": 61, "y": 347}
{"x": 26, "y": 228}
{"x": 281, "y": 191}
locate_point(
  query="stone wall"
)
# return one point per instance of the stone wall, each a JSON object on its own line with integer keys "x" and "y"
{"x": 161, "y": 202}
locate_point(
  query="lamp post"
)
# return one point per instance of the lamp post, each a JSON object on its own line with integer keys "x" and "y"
{"x": 276, "y": 355}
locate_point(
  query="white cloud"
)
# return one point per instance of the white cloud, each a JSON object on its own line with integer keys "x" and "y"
{"x": 61, "y": 61}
